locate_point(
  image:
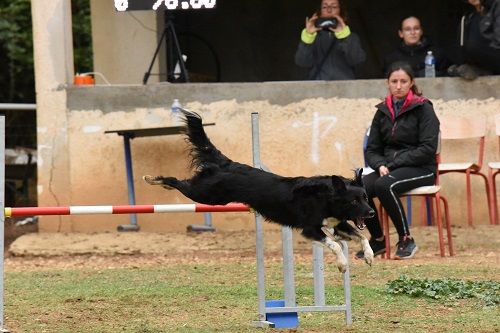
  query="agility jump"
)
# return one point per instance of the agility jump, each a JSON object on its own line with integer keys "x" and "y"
{"x": 269, "y": 315}
{"x": 124, "y": 209}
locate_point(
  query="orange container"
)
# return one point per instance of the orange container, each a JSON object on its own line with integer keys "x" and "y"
{"x": 83, "y": 80}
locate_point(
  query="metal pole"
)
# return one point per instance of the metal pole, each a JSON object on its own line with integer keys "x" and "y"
{"x": 2, "y": 217}
{"x": 347, "y": 286}
{"x": 148, "y": 72}
{"x": 206, "y": 226}
{"x": 130, "y": 177}
{"x": 261, "y": 292}
{"x": 288, "y": 270}
{"x": 259, "y": 234}
{"x": 173, "y": 37}
{"x": 17, "y": 106}
{"x": 318, "y": 274}
{"x": 130, "y": 186}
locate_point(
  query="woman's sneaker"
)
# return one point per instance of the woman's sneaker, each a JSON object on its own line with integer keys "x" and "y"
{"x": 406, "y": 248}
{"x": 378, "y": 247}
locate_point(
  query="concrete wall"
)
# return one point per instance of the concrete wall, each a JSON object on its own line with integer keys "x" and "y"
{"x": 123, "y": 43}
{"x": 306, "y": 128}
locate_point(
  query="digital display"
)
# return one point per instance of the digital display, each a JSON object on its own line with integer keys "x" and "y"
{"x": 124, "y": 5}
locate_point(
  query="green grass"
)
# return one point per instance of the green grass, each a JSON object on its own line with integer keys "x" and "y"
{"x": 222, "y": 298}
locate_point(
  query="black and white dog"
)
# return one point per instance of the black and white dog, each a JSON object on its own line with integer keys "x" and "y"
{"x": 320, "y": 206}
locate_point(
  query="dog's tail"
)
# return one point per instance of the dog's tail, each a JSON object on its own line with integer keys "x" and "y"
{"x": 202, "y": 151}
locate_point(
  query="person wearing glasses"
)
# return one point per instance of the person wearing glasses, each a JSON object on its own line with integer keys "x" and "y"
{"x": 413, "y": 49}
{"x": 328, "y": 47}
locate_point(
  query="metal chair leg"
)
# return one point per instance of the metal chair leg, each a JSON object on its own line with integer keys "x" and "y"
{"x": 489, "y": 198}
{"x": 448, "y": 226}
{"x": 494, "y": 196}
{"x": 469, "y": 197}
{"x": 385, "y": 228}
{"x": 439, "y": 224}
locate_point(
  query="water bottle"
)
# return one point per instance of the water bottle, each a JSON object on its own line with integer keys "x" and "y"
{"x": 430, "y": 65}
{"x": 175, "y": 113}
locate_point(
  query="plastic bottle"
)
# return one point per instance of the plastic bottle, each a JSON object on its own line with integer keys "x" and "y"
{"x": 430, "y": 65}
{"x": 175, "y": 112}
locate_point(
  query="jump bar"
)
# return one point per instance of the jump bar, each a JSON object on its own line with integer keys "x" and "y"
{"x": 124, "y": 209}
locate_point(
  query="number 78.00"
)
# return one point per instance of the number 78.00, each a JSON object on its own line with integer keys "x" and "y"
{"x": 185, "y": 4}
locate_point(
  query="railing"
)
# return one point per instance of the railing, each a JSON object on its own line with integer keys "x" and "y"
{"x": 17, "y": 106}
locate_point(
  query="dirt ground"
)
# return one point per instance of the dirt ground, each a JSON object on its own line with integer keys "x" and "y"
{"x": 42, "y": 251}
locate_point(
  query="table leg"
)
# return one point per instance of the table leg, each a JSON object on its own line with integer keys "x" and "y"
{"x": 130, "y": 186}
{"x": 207, "y": 226}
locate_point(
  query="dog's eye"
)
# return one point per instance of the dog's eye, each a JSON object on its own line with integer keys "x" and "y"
{"x": 354, "y": 202}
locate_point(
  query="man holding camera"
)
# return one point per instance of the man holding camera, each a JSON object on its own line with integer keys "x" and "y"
{"x": 327, "y": 46}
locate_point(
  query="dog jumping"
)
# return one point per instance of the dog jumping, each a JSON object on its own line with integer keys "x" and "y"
{"x": 319, "y": 206}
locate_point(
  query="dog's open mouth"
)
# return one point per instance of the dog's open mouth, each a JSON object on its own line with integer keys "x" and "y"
{"x": 360, "y": 223}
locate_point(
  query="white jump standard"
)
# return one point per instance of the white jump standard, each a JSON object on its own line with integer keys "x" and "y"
{"x": 288, "y": 265}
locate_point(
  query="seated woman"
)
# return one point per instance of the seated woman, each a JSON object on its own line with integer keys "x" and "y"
{"x": 401, "y": 149}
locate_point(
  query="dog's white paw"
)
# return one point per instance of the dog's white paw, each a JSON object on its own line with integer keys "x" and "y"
{"x": 368, "y": 253}
{"x": 341, "y": 263}
{"x": 152, "y": 180}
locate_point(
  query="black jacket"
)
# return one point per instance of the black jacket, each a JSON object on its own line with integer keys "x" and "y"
{"x": 490, "y": 23}
{"x": 414, "y": 55}
{"x": 340, "y": 62}
{"x": 410, "y": 139}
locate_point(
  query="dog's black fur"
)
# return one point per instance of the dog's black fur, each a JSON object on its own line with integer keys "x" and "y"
{"x": 299, "y": 202}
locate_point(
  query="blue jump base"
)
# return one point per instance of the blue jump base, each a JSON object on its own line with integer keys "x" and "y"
{"x": 281, "y": 320}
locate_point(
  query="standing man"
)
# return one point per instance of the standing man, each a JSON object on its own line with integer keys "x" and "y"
{"x": 327, "y": 46}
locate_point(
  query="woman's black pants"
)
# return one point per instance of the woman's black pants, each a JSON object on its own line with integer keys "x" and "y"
{"x": 387, "y": 189}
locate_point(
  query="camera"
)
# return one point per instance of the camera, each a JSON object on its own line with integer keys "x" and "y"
{"x": 326, "y": 23}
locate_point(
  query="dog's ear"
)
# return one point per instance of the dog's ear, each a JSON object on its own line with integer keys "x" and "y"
{"x": 358, "y": 177}
{"x": 338, "y": 184}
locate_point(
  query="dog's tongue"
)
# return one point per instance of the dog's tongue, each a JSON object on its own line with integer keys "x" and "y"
{"x": 360, "y": 223}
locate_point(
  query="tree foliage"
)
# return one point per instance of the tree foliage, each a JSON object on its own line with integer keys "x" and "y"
{"x": 17, "y": 83}
{"x": 17, "y": 77}
{"x": 82, "y": 36}
{"x": 16, "y": 52}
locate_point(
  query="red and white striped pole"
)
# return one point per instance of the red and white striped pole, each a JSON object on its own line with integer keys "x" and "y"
{"x": 124, "y": 209}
